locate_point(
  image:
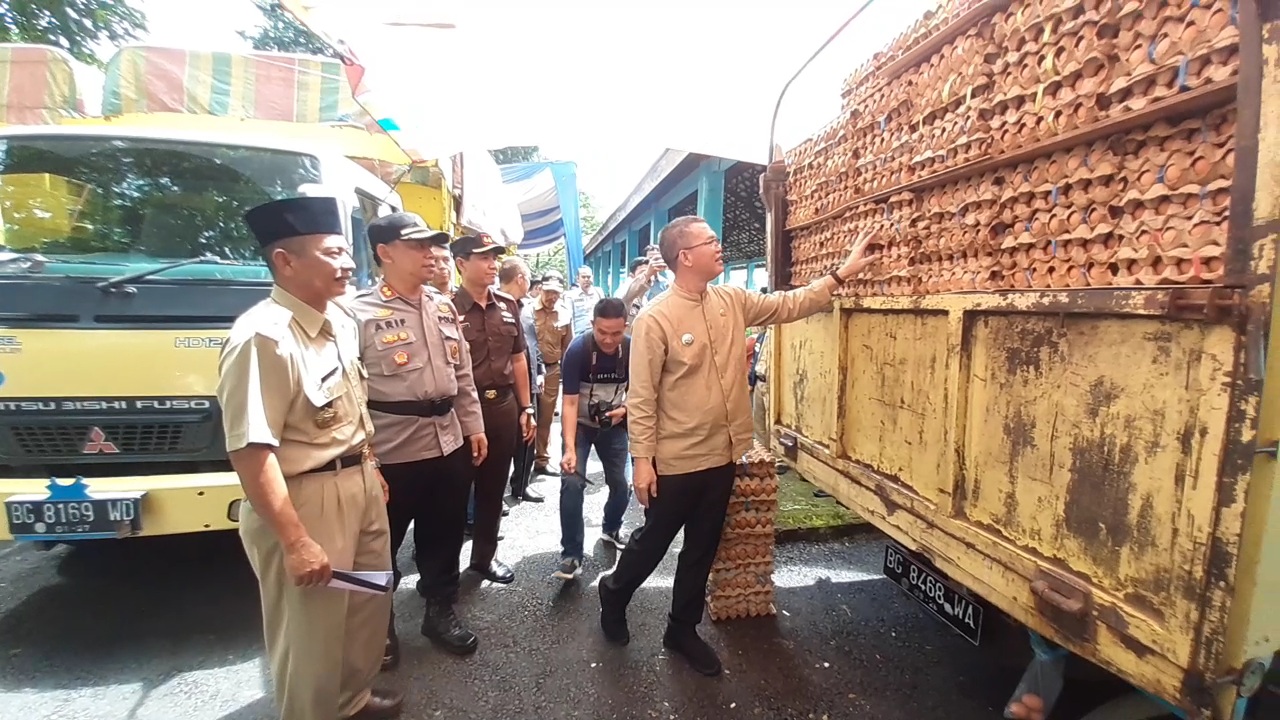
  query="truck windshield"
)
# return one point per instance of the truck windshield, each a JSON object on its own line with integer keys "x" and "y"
{"x": 106, "y": 206}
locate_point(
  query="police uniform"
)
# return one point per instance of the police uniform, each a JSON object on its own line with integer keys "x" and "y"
{"x": 494, "y": 335}
{"x": 290, "y": 378}
{"x": 423, "y": 403}
{"x": 555, "y": 330}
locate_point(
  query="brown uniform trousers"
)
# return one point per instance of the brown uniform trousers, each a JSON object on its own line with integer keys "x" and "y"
{"x": 290, "y": 378}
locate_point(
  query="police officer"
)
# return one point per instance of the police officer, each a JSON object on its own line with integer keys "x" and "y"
{"x": 291, "y": 388}
{"x": 491, "y": 325}
{"x": 424, "y": 407}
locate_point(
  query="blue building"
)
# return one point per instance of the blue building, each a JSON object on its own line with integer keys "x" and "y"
{"x": 725, "y": 192}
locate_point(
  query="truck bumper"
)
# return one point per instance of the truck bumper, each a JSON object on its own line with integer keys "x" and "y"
{"x": 173, "y": 504}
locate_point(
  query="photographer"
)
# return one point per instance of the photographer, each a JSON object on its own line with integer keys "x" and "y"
{"x": 594, "y": 372}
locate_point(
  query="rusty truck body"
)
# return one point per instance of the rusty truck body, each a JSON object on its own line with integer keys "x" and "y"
{"x": 1097, "y": 464}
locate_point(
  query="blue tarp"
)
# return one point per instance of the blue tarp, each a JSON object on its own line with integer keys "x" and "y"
{"x": 547, "y": 195}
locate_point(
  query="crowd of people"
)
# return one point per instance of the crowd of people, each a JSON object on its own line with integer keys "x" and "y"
{"x": 417, "y": 403}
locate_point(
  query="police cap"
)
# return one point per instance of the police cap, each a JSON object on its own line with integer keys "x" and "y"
{"x": 469, "y": 245}
{"x": 403, "y": 226}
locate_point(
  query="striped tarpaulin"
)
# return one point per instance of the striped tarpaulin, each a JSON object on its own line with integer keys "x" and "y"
{"x": 37, "y": 85}
{"x": 261, "y": 85}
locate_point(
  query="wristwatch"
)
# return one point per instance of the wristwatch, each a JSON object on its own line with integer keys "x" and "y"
{"x": 835, "y": 275}
{"x": 527, "y": 410}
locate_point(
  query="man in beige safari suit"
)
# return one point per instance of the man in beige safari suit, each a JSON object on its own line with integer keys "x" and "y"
{"x": 293, "y": 396}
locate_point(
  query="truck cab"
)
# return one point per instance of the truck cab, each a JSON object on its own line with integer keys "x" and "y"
{"x": 124, "y": 260}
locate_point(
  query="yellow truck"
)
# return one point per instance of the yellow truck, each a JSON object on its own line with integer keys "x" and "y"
{"x": 1058, "y": 392}
{"x": 123, "y": 262}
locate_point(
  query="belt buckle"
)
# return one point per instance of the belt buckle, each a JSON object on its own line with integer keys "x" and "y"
{"x": 490, "y": 394}
{"x": 366, "y": 453}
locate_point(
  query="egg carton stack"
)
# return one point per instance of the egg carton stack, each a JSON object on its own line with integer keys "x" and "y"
{"x": 741, "y": 582}
{"x": 1143, "y": 207}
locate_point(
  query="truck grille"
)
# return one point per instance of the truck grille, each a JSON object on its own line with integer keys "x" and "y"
{"x": 34, "y": 442}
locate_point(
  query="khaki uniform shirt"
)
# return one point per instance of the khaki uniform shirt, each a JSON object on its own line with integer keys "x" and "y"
{"x": 555, "y": 330}
{"x": 416, "y": 352}
{"x": 291, "y": 378}
{"x": 688, "y": 405}
{"x": 494, "y": 335}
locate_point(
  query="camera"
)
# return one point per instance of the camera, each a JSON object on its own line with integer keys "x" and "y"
{"x": 598, "y": 412}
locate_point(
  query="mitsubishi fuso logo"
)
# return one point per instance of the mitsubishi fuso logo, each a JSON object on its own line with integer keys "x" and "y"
{"x": 98, "y": 443}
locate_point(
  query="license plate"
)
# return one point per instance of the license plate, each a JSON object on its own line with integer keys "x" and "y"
{"x": 951, "y": 605}
{"x": 71, "y": 512}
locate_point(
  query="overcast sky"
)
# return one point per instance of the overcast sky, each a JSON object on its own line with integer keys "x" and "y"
{"x": 608, "y": 85}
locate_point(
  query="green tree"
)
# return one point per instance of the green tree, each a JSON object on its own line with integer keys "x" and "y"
{"x": 281, "y": 32}
{"x": 553, "y": 257}
{"x": 77, "y": 26}
{"x": 517, "y": 154}
{"x": 587, "y": 215}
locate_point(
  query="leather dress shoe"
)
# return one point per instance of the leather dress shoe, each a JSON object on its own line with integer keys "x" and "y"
{"x": 531, "y": 496}
{"x": 382, "y": 705}
{"x": 441, "y": 626}
{"x": 497, "y": 572}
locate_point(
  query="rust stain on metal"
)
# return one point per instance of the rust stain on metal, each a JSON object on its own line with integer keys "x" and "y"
{"x": 1096, "y": 507}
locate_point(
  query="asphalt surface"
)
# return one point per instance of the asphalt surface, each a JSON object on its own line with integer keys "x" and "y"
{"x": 169, "y": 628}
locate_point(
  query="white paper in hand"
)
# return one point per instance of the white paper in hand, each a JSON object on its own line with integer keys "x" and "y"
{"x": 375, "y": 582}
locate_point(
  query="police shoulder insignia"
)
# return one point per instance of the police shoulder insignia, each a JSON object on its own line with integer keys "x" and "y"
{"x": 400, "y": 358}
{"x": 382, "y": 312}
{"x": 386, "y": 292}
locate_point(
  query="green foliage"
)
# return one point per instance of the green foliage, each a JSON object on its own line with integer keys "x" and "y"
{"x": 280, "y": 32}
{"x": 76, "y": 26}
{"x": 587, "y": 215}
{"x": 517, "y": 154}
{"x": 553, "y": 257}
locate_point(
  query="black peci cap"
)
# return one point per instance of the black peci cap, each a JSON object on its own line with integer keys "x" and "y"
{"x": 293, "y": 217}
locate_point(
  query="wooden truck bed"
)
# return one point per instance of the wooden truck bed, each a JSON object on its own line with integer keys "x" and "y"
{"x": 1095, "y": 459}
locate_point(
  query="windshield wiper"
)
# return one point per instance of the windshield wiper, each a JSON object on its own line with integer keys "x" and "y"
{"x": 115, "y": 282}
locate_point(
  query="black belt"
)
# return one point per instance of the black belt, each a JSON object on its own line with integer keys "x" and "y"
{"x": 346, "y": 461}
{"x": 413, "y": 408}
{"x": 495, "y": 394}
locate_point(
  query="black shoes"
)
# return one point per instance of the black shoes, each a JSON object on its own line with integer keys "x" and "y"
{"x": 686, "y": 643}
{"x": 613, "y": 617}
{"x": 530, "y": 496}
{"x": 497, "y": 572}
{"x": 440, "y": 625}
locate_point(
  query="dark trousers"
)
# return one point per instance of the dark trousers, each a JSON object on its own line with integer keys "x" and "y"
{"x": 433, "y": 495}
{"x": 522, "y": 467}
{"x": 697, "y": 502}
{"x": 501, "y": 427}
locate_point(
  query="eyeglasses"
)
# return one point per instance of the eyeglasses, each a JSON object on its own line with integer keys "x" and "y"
{"x": 712, "y": 241}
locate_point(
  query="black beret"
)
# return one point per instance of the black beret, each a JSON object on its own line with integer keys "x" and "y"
{"x": 403, "y": 226}
{"x": 294, "y": 217}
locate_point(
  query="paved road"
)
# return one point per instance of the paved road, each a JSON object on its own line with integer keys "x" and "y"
{"x": 164, "y": 629}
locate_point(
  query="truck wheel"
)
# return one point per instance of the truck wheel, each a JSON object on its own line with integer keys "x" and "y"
{"x": 1130, "y": 706}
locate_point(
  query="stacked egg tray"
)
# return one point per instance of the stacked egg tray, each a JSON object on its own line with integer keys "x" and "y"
{"x": 1136, "y": 208}
{"x": 741, "y": 582}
